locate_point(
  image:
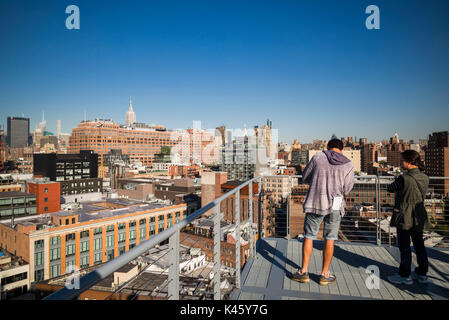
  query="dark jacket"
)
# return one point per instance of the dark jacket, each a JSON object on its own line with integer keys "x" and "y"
{"x": 408, "y": 195}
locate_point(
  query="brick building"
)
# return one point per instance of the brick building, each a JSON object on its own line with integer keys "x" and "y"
{"x": 98, "y": 232}
{"x": 48, "y": 195}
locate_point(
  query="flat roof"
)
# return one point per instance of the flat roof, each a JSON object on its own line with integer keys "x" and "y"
{"x": 9, "y": 194}
{"x": 93, "y": 211}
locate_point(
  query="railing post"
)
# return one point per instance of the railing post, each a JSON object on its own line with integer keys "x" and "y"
{"x": 288, "y": 206}
{"x": 217, "y": 253}
{"x": 173, "y": 271}
{"x": 378, "y": 228}
{"x": 251, "y": 220}
{"x": 237, "y": 239}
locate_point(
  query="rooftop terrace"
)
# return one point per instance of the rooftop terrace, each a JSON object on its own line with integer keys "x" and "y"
{"x": 266, "y": 277}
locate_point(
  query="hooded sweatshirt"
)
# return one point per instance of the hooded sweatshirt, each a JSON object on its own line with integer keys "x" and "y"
{"x": 329, "y": 174}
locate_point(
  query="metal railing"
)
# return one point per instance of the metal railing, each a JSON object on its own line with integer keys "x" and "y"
{"x": 366, "y": 220}
{"x": 173, "y": 236}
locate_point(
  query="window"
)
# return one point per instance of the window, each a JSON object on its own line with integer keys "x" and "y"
{"x": 70, "y": 237}
{"x": 84, "y": 262}
{"x": 46, "y": 209}
{"x": 84, "y": 234}
{"x": 142, "y": 222}
{"x": 39, "y": 275}
{"x": 98, "y": 231}
{"x": 38, "y": 244}
{"x": 46, "y": 190}
{"x": 152, "y": 219}
{"x": 73, "y": 220}
{"x": 55, "y": 240}
{"x": 38, "y": 258}
{"x": 55, "y": 254}
{"x": 84, "y": 246}
{"x": 70, "y": 250}
{"x": 66, "y": 221}
{"x": 121, "y": 237}
{"x": 132, "y": 234}
{"x": 97, "y": 258}
{"x": 110, "y": 241}
{"x": 45, "y": 199}
{"x": 142, "y": 233}
{"x": 97, "y": 244}
{"x": 121, "y": 226}
{"x": 132, "y": 224}
{"x": 110, "y": 228}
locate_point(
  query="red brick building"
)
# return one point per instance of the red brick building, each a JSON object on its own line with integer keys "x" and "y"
{"x": 184, "y": 171}
{"x": 48, "y": 196}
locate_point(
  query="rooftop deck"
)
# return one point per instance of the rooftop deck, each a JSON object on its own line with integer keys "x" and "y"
{"x": 267, "y": 276}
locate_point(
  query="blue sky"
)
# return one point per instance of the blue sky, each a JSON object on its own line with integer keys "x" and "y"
{"x": 309, "y": 66}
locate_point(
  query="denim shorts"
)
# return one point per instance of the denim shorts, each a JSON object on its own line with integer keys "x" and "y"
{"x": 331, "y": 225}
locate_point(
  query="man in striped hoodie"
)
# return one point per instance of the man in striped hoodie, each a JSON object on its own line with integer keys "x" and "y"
{"x": 330, "y": 176}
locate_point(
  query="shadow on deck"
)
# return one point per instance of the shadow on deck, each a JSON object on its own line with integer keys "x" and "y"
{"x": 267, "y": 276}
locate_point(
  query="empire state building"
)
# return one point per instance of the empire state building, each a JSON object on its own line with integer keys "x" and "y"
{"x": 130, "y": 115}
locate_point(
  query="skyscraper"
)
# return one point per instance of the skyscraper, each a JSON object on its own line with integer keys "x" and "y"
{"x": 58, "y": 128}
{"x": 18, "y": 132}
{"x": 130, "y": 115}
{"x": 437, "y": 160}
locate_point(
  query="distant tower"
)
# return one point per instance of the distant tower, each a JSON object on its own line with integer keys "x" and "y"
{"x": 58, "y": 128}
{"x": 130, "y": 115}
{"x": 43, "y": 125}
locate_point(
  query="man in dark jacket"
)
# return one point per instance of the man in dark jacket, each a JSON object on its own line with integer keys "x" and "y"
{"x": 410, "y": 189}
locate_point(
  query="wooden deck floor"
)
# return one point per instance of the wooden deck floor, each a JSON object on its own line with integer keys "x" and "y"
{"x": 267, "y": 276}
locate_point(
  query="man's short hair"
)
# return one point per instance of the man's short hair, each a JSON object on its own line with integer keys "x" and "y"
{"x": 335, "y": 143}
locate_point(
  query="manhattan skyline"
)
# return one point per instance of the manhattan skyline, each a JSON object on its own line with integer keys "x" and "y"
{"x": 309, "y": 66}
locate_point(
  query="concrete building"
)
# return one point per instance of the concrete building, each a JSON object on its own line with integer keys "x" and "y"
{"x": 14, "y": 276}
{"x": 95, "y": 233}
{"x": 279, "y": 188}
{"x": 18, "y": 135}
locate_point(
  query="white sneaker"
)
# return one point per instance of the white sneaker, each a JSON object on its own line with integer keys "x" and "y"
{"x": 397, "y": 279}
{"x": 420, "y": 279}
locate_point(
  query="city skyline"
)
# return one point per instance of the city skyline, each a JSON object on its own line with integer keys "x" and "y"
{"x": 311, "y": 68}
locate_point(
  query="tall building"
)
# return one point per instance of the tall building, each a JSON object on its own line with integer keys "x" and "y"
{"x": 394, "y": 150}
{"x": 18, "y": 135}
{"x": 368, "y": 153}
{"x": 130, "y": 115}
{"x": 58, "y": 128}
{"x": 140, "y": 143}
{"x": 437, "y": 160}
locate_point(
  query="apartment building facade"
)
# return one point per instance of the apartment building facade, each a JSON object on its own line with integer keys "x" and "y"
{"x": 56, "y": 244}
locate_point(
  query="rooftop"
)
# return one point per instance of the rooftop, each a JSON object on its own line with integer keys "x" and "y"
{"x": 10, "y": 194}
{"x": 267, "y": 276}
{"x": 93, "y": 210}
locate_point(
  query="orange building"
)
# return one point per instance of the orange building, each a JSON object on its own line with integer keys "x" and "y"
{"x": 140, "y": 143}
{"x": 48, "y": 196}
{"x": 94, "y": 234}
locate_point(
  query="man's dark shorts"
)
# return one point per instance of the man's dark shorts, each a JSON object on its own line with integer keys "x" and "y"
{"x": 331, "y": 225}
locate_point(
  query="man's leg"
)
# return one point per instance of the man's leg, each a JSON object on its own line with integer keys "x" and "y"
{"x": 312, "y": 224}
{"x": 328, "y": 253}
{"x": 307, "y": 249}
{"x": 331, "y": 227}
